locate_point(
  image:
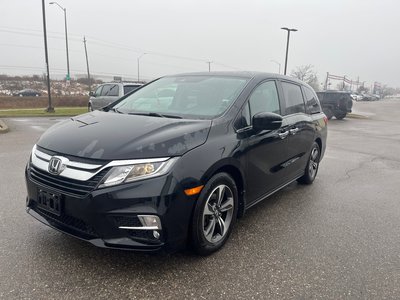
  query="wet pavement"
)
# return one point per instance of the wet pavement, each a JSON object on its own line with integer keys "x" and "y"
{"x": 336, "y": 239}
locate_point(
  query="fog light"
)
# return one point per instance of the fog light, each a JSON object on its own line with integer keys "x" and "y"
{"x": 156, "y": 234}
{"x": 150, "y": 221}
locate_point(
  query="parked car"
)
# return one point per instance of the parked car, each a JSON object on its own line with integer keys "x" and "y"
{"x": 27, "y": 93}
{"x": 370, "y": 97}
{"x": 148, "y": 174}
{"x": 356, "y": 96}
{"x": 109, "y": 92}
{"x": 336, "y": 103}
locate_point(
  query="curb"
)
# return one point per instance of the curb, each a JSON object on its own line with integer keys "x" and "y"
{"x": 357, "y": 116}
{"x": 3, "y": 127}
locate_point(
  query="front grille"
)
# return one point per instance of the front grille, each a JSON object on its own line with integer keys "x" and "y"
{"x": 66, "y": 220}
{"x": 65, "y": 185}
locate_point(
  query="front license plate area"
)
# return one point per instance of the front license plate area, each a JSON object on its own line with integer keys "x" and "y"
{"x": 49, "y": 201}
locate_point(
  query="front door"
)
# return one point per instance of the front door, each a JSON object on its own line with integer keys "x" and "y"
{"x": 266, "y": 150}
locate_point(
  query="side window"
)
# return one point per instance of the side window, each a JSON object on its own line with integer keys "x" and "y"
{"x": 114, "y": 90}
{"x": 293, "y": 98}
{"x": 264, "y": 98}
{"x": 312, "y": 102}
{"x": 106, "y": 90}
{"x": 97, "y": 93}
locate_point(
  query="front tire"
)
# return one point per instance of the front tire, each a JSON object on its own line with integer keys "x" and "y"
{"x": 215, "y": 214}
{"x": 312, "y": 166}
{"x": 328, "y": 113}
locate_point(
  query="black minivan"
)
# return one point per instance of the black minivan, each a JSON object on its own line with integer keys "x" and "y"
{"x": 177, "y": 161}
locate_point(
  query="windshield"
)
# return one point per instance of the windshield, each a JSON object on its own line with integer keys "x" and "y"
{"x": 194, "y": 97}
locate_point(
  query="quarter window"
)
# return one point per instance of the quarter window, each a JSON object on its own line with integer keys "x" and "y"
{"x": 312, "y": 103}
{"x": 243, "y": 119}
{"x": 293, "y": 98}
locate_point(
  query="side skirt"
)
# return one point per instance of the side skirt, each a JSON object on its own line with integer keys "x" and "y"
{"x": 270, "y": 193}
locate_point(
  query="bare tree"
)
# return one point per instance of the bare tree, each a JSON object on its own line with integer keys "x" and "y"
{"x": 307, "y": 74}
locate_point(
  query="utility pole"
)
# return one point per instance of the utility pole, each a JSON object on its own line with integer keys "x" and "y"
{"x": 326, "y": 81}
{"x": 50, "y": 108}
{"x": 209, "y": 65}
{"x": 358, "y": 83}
{"x": 87, "y": 64}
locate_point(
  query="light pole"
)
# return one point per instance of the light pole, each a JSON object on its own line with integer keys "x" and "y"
{"x": 50, "y": 108}
{"x": 138, "y": 66}
{"x": 287, "y": 44}
{"x": 274, "y": 61}
{"x": 66, "y": 37}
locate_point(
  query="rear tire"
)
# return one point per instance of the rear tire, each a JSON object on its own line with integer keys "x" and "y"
{"x": 312, "y": 166}
{"x": 214, "y": 215}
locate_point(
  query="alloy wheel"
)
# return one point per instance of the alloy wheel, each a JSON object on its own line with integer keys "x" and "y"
{"x": 218, "y": 213}
{"x": 314, "y": 161}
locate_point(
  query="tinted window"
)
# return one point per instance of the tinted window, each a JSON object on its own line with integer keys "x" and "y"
{"x": 293, "y": 98}
{"x": 130, "y": 88}
{"x": 114, "y": 91}
{"x": 312, "y": 103}
{"x": 264, "y": 99}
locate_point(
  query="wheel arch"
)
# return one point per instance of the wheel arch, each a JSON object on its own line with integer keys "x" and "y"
{"x": 319, "y": 142}
{"x": 232, "y": 168}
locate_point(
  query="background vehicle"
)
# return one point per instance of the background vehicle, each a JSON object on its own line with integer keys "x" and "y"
{"x": 109, "y": 92}
{"x": 27, "y": 93}
{"x": 356, "y": 96}
{"x": 335, "y": 103}
{"x": 176, "y": 162}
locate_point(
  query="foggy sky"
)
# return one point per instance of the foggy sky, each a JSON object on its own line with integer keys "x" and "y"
{"x": 342, "y": 37}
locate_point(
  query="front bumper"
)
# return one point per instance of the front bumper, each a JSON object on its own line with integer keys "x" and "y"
{"x": 97, "y": 216}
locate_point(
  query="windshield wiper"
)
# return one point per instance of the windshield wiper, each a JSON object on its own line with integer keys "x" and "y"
{"x": 155, "y": 114}
{"x": 116, "y": 110}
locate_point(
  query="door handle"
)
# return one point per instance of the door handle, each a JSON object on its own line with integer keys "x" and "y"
{"x": 284, "y": 134}
{"x": 293, "y": 131}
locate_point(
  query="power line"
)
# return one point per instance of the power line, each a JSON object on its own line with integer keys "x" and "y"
{"x": 103, "y": 43}
{"x": 94, "y": 40}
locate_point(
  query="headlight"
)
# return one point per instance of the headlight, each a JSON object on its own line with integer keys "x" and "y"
{"x": 30, "y": 156}
{"x": 133, "y": 172}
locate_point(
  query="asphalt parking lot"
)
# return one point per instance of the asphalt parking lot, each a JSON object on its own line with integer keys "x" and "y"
{"x": 336, "y": 239}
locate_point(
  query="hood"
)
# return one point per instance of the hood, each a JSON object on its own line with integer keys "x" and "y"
{"x": 110, "y": 136}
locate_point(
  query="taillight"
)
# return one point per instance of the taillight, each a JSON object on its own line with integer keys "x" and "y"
{"x": 326, "y": 120}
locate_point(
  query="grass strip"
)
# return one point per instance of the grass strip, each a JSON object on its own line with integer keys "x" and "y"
{"x": 40, "y": 112}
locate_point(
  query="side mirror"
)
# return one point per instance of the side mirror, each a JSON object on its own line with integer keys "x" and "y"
{"x": 266, "y": 121}
{"x": 91, "y": 94}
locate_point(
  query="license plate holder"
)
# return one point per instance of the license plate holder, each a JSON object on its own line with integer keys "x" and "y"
{"x": 49, "y": 201}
